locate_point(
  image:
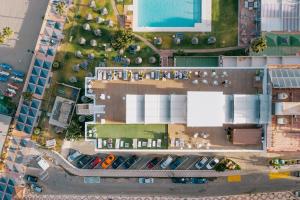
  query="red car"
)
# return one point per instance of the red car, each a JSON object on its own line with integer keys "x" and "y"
{"x": 153, "y": 162}
{"x": 95, "y": 163}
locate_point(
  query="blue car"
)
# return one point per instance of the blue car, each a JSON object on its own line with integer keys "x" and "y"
{"x": 3, "y": 78}
{"x": 5, "y": 66}
{"x": 18, "y": 73}
{"x": 198, "y": 180}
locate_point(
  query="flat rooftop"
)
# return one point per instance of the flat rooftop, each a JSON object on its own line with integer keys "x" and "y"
{"x": 240, "y": 81}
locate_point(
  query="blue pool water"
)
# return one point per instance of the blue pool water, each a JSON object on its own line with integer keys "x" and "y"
{"x": 169, "y": 13}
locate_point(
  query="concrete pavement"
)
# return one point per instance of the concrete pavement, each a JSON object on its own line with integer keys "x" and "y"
{"x": 25, "y": 19}
{"x": 61, "y": 183}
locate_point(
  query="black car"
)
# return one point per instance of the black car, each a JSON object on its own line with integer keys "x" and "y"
{"x": 153, "y": 162}
{"x": 130, "y": 161}
{"x": 31, "y": 179}
{"x": 181, "y": 180}
{"x": 83, "y": 161}
{"x": 176, "y": 162}
{"x": 118, "y": 162}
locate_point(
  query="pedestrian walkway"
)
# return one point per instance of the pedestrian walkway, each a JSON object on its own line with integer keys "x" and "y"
{"x": 259, "y": 196}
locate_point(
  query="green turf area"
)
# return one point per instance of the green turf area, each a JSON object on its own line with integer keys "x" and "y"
{"x": 196, "y": 61}
{"x": 280, "y": 45}
{"x": 224, "y": 28}
{"x": 128, "y": 132}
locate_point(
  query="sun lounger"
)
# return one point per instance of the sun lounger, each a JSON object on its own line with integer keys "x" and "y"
{"x": 117, "y": 144}
{"x": 139, "y": 144}
{"x": 122, "y": 144}
{"x": 172, "y": 142}
{"x": 159, "y": 143}
{"x": 104, "y": 143}
{"x": 99, "y": 143}
{"x": 144, "y": 144}
{"x": 153, "y": 143}
{"x": 134, "y": 143}
{"x": 127, "y": 145}
{"x": 149, "y": 143}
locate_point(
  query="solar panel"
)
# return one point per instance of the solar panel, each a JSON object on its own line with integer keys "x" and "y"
{"x": 285, "y": 78}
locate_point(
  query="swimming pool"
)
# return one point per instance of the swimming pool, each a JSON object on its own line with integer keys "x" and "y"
{"x": 166, "y": 15}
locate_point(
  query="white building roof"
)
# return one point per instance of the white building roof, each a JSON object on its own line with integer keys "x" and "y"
{"x": 206, "y": 109}
{"x": 178, "y": 108}
{"x": 135, "y": 109}
{"x": 157, "y": 109}
{"x": 246, "y": 109}
{"x": 287, "y": 108}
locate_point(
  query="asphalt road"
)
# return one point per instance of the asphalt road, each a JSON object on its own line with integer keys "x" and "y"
{"x": 61, "y": 183}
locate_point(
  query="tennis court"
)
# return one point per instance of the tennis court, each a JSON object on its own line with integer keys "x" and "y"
{"x": 196, "y": 61}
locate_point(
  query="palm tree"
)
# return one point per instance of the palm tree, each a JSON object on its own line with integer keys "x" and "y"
{"x": 259, "y": 44}
{"x": 73, "y": 131}
{"x": 7, "y": 32}
{"x": 27, "y": 96}
{"x": 2, "y": 38}
{"x": 60, "y": 8}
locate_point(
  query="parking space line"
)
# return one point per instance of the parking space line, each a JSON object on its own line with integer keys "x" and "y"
{"x": 234, "y": 178}
{"x": 185, "y": 159}
{"x": 193, "y": 164}
{"x": 138, "y": 160}
{"x": 278, "y": 175}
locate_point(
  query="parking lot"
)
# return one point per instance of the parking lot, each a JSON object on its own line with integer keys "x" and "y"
{"x": 142, "y": 162}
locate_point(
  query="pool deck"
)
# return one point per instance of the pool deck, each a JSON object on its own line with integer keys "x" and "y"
{"x": 204, "y": 26}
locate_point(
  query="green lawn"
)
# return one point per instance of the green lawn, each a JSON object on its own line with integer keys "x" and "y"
{"x": 224, "y": 28}
{"x": 127, "y": 132}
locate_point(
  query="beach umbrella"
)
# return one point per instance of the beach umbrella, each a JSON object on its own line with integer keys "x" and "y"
{"x": 99, "y": 20}
{"x": 89, "y": 17}
{"x": 93, "y": 43}
{"x": 127, "y": 61}
{"x": 51, "y": 52}
{"x": 104, "y": 11}
{"x": 91, "y": 56}
{"x": 84, "y": 64}
{"x": 97, "y": 32}
{"x": 43, "y": 49}
{"x": 110, "y": 23}
{"x": 92, "y": 4}
{"x": 82, "y": 41}
{"x": 157, "y": 41}
{"x": 195, "y": 40}
{"x": 211, "y": 40}
{"x": 78, "y": 54}
{"x": 73, "y": 79}
{"x": 58, "y": 25}
{"x": 75, "y": 68}
{"x": 138, "y": 60}
{"x": 86, "y": 27}
{"x": 152, "y": 60}
{"x": 177, "y": 40}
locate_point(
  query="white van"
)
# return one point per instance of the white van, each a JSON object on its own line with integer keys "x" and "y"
{"x": 166, "y": 163}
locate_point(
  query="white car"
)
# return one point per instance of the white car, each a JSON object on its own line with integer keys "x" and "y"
{"x": 200, "y": 164}
{"x": 212, "y": 163}
{"x": 146, "y": 180}
{"x": 73, "y": 156}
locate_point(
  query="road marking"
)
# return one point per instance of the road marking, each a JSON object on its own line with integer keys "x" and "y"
{"x": 278, "y": 175}
{"x": 234, "y": 178}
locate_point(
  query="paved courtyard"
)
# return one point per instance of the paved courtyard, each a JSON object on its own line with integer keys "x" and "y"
{"x": 25, "y": 19}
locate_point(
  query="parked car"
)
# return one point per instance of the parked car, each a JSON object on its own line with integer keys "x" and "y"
{"x": 94, "y": 163}
{"x": 212, "y": 163}
{"x": 36, "y": 188}
{"x": 31, "y": 179}
{"x": 108, "y": 161}
{"x": 6, "y": 66}
{"x": 118, "y": 162}
{"x": 200, "y": 164}
{"x": 128, "y": 163}
{"x": 181, "y": 180}
{"x": 296, "y": 173}
{"x": 84, "y": 160}
{"x": 3, "y": 78}
{"x": 146, "y": 180}
{"x": 178, "y": 161}
{"x": 73, "y": 156}
{"x": 18, "y": 73}
{"x": 198, "y": 180}
{"x": 166, "y": 163}
{"x": 153, "y": 162}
